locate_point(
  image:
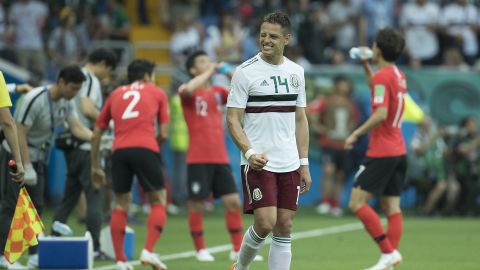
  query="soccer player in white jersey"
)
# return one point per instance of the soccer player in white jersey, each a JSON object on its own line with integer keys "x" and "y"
{"x": 268, "y": 94}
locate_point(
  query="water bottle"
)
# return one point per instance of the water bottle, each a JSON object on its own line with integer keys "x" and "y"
{"x": 363, "y": 53}
{"x": 62, "y": 228}
{"x": 225, "y": 68}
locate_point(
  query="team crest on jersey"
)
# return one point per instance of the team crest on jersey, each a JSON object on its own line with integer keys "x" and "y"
{"x": 257, "y": 194}
{"x": 294, "y": 81}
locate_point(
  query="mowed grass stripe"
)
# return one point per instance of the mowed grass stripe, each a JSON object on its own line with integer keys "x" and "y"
{"x": 223, "y": 248}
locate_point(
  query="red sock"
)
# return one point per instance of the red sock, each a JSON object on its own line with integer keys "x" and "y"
{"x": 234, "y": 222}
{"x": 334, "y": 203}
{"x": 326, "y": 200}
{"x": 195, "y": 221}
{"x": 155, "y": 222}
{"x": 395, "y": 228}
{"x": 372, "y": 224}
{"x": 118, "y": 222}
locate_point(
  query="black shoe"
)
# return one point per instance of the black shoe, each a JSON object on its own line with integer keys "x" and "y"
{"x": 101, "y": 256}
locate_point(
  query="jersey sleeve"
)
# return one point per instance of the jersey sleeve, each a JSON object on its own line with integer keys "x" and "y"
{"x": 5, "y": 100}
{"x": 163, "y": 111}
{"x": 27, "y": 112}
{"x": 380, "y": 91}
{"x": 71, "y": 110}
{"x": 302, "y": 95}
{"x": 238, "y": 96}
{"x": 105, "y": 114}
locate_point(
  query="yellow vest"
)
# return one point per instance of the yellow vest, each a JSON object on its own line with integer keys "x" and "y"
{"x": 178, "y": 127}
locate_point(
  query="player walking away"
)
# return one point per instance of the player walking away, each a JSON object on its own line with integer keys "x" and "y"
{"x": 333, "y": 119}
{"x": 134, "y": 108}
{"x": 87, "y": 105}
{"x": 268, "y": 94}
{"x": 208, "y": 167}
{"x": 384, "y": 168}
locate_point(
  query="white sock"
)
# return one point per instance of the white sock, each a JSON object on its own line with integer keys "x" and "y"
{"x": 251, "y": 244}
{"x": 280, "y": 254}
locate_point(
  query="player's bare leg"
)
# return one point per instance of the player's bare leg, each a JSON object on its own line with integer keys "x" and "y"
{"x": 264, "y": 222}
{"x": 155, "y": 223}
{"x": 195, "y": 223}
{"x": 280, "y": 254}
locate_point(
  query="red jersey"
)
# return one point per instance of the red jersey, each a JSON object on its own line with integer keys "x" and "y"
{"x": 338, "y": 115}
{"x": 134, "y": 109}
{"x": 388, "y": 89}
{"x": 203, "y": 114}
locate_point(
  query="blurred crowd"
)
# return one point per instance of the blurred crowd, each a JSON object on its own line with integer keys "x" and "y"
{"x": 438, "y": 32}
{"x": 43, "y": 36}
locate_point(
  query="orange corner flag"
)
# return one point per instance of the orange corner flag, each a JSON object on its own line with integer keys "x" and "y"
{"x": 26, "y": 226}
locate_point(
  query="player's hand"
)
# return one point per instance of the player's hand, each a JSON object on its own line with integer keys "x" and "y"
{"x": 257, "y": 161}
{"x": 305, "y": 179}
{"x": 23, "y": 88}
{"x": 351, "y": 140}
{"x": 18, "y": 175}
{"x": 98, "y": 178}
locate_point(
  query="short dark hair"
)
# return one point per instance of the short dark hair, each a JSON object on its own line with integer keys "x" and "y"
{"x": 391, "y": 43}
{"x": 71, "y": 74}
{"x": 341, "y": 78}
{"x": 102, "y": 54}
{"x": 191, "y": 60}
{"x": 138, "y": 68}
{"x": 280, "y": 18}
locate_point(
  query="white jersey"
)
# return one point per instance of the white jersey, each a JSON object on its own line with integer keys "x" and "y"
{"x": 270, "y": 95}
{"x": 90, "y": 88}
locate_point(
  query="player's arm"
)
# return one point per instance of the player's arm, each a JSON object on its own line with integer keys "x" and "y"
{"x": 234, "y": 119}
{"x": 98, "y": 175}
{"x": 367, "y": 69}
{"x": 78, "y": 129}
{"x": 10, "y": 132}
{"x": 377, "y": 117}
{"x": 302, "y": 137}
{"x": 162, "y": 133}
{"x": 88, "y": 108}
{"x": 22, "y": 131}
{"x": 163, "y": 118}
{"x": 198, "y": 81}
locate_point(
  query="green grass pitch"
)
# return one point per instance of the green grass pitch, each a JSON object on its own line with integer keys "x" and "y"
{"x": 427, "y": 244}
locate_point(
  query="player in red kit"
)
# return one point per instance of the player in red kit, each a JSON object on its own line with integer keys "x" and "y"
{"x": 383, "y": 170}
{"x": 208, "y": 166}
{"x": 134, "y": 109}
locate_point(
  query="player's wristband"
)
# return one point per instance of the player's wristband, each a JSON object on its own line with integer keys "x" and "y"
{"x": 249, "y": 153}
{"x": 304, "y": 161}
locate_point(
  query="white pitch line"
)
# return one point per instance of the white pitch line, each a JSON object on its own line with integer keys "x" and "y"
{"x": 222, "y": 248}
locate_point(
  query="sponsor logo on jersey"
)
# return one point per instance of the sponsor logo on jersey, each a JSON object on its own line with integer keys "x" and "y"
{"x": 264, "y": 83}
{"x": 294, "y": 81}
{"x": 257, "y": 194}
